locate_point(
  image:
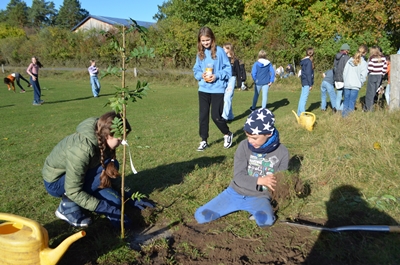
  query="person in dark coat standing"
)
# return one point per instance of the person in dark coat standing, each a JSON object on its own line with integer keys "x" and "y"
{"x": 339, "y": 63}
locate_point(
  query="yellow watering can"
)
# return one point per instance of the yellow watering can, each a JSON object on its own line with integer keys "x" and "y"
{"x": 24, "y": 241}
{"x": 306, "y": 119}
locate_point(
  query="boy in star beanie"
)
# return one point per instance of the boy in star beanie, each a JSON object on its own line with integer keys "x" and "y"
{"x": 257, "y": 159}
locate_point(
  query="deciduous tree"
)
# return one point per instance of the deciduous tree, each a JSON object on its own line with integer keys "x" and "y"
{"x": 204, "y": 12}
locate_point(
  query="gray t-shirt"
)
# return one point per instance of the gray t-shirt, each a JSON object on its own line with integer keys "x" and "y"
{"x": 248, "y": 166}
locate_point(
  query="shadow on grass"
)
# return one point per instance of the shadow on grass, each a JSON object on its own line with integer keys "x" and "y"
{"x": 345, "y": 207}
{"x": 101, "y": 238}
{"x": 7, "y": 106}
{"x": 163, "y": 176}
{"x": 314, "y": 106}
{"x": 76, "y": 99}
{"x": 272, "y": 107}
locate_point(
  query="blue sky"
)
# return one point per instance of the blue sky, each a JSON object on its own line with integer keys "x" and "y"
{"x": 141, "y": 10}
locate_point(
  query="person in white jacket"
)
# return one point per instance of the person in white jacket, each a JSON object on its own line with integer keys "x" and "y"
{"x": 354, "y": 75}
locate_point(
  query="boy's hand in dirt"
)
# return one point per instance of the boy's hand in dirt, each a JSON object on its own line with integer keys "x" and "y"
{"x": 268, "y": 180}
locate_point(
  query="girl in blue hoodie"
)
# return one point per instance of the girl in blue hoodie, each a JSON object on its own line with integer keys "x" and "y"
{"x": 354, "y": 75}
{"x": 307, "y": 79}
{"x": 212, "y": 85}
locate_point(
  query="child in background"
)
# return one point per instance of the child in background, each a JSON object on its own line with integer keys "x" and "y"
{"x": 339, "y": 63}
{"x": 243, "y": 76}
{"x": 377, "y": 68}
{"x": 227, "y": 112}
{"x": 33, "y": 71}
{"x": 354, "y": 75}
{"x": 211, "y": 85}
{"x": 327, "y": 85}
{"x": 9, "y": 81}
{"x": 256, "y": 160}
{"x": 263, "y": 74}
{"x": 94, "y": 81}
{"x": 307, "y": 79}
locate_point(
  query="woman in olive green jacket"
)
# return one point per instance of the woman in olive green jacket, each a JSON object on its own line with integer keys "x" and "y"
{"x": 83, "y": 170}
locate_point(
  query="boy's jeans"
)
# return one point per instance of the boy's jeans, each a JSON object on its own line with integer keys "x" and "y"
{"x": 339, "y": 94}
{"x": 264, "y": 89}
{"x": 230, "y": 201}
{"x": 326, "y": 87}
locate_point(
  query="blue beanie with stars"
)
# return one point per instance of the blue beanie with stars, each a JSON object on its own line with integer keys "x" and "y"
{"x": 260, "y": 121}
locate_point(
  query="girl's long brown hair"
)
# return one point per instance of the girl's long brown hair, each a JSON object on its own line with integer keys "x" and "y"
{"x": 103, "y": 130}
{"x": 362, "y": 50}
{"x": 231, "y": 52}
{"x": 375, "y": 52}
{"x": 310, "y": 54}
{"x": 207, "y": 32}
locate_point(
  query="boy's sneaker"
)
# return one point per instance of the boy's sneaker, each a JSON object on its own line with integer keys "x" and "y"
{"x": 29, "y": 85}
{"x": 36, "y": 104}
{"x": 41, "y": 101}
{"x": 228, "y": 140}
{"x": 22, "y": 91}
{"x": 203, "y": 145}
{"x": 72, "y": 213}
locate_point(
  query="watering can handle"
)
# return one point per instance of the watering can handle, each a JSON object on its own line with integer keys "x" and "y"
{"x": 311, "y": 114}
{"x": 35, "y": 226}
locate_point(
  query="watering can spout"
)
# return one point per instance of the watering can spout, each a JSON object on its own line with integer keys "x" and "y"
{"x": 49, "y": 256}
{"x": 297, "y": 117}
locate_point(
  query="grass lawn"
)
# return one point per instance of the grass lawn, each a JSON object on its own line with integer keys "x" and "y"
{"x": 337, "y": 160}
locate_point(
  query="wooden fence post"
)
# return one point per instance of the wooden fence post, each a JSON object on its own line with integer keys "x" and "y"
{"x": 394, "y": 103}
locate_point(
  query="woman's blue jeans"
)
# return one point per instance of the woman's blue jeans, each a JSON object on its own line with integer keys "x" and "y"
{"x": 349, "y": 102}
{"x": 257, "y": 89}
{"x": 230, "y": 201}
{"x": 227, "y": 112}
{"x": 305, "y": 91}
{"x": 91, "y": 186}
{"x": 36, "y": 89}
{"x": 94, "y": 81}
{"x": 327, "y": 87}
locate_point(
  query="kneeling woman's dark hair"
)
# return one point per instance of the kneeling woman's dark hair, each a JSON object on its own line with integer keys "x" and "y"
{"x": 103, "y": 130}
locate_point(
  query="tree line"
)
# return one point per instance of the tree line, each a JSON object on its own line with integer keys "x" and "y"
{"x": 283, "y": 28}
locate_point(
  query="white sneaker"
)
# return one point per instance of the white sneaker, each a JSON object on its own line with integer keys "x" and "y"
{"x": 203, "y": 145}
{"x": 228, "y": 140}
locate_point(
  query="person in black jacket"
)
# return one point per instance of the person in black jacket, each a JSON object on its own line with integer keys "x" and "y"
{"x": 307, "y": 79}
{"x": 339, "y": 63}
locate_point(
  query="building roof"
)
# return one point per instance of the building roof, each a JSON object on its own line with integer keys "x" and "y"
{"x": 114, "y": 21}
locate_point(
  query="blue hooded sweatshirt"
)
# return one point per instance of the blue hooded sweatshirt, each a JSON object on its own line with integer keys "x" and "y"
{"x": 263, "y": 72}
{"x": 307, "y": 72}
{"x": 222, "y": 71}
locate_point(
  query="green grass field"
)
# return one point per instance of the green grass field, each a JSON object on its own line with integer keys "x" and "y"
{"x": 337, "y": 155}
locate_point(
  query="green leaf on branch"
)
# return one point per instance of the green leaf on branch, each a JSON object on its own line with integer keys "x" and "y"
{"x": 117, "y": 127}
{"x": 138, "y": 196}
